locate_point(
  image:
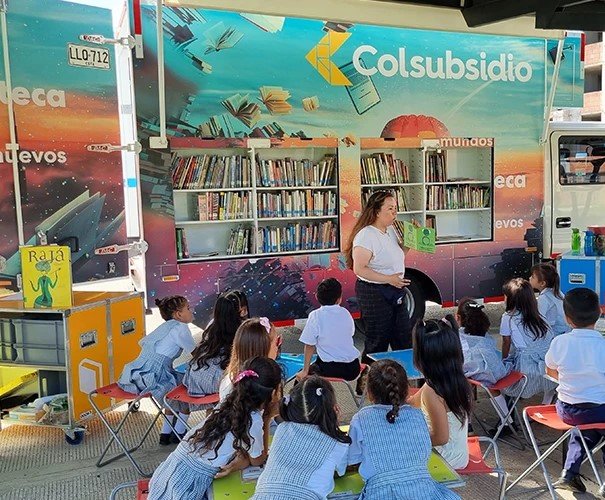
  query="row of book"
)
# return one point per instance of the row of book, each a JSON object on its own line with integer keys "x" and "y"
{"x": 398, "y": 192}
{"x": 291, "y": 172}
{"x": 297, "y": 237}
{"x": 182, "y": 252}
{"x": 210, "y": 171}
{"x": 240, "y": 241}
{"x": 436, "y": 170}
{"x": 454, "y": 197}
{"x": 383, "y": 168}
{"x": 224, "y": 206}
{"x": 297, "y": 203}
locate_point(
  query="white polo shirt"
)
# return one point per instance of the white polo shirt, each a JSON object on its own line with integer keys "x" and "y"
{"x": 387, "y": 256}
{"x": 579, "y": 357}
{"x": 330, "y": 329}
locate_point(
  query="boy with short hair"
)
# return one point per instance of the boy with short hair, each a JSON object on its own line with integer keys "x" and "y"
{"x": 577, "y": 360}
{"x": 329, "y": 330}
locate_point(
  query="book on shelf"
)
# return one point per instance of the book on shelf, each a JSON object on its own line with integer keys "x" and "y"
{"x": 383, "y": 168}
{"x": 229, "y": 205}
{"x": 275, "y": 100}
{"x": 288, "y": 172}
{"x": 297, "y": 237}
{"x": 457, "y": 197}
{"x": 398, "y": 192}
{"x": 182, "y": 251}
{"x": 241, "y": 108}
{"x": 220, "y": 38}
{"x": 307, "y": 203}
{"x": 240, "y": 242}
{"x": 210, "y": 171}
{"x": 436, "y": 170}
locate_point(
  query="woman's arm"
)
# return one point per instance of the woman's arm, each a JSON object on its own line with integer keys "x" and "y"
{"x": 437, "y": 412}
{"x": 361, "y": 259}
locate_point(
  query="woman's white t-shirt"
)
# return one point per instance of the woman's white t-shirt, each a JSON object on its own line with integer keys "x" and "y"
{"x": 387, "y": 256}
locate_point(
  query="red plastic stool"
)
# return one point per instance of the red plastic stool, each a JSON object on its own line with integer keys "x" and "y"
{"x": 181, "y": 395}
{"x": 512, "y": 378}
{"x": 477, "y": 465}
{"x": 142, "y": 486}
{"x": 547, "y": 415}
{"x": 114, "y": 391}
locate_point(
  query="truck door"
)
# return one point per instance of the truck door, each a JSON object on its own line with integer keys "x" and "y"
{"x": 575, "y": 187}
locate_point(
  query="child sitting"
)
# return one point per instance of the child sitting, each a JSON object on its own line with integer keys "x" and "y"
{"x": 577, "y": 360}
{"x": 254, "y": 337}
{"x": 545, "y": 279}
{"x": 523, "y": 327}
{"x": 482, "y": 361}
{"x": 212, "y": 355}
{"x": 391, "y": 442}
{"x": 329, "y": 330}
{"x": 446, "y": 397}
{"x": 152, "y": 370}
{"x": 309, "y": 442}
{"x": 232, "y": 434}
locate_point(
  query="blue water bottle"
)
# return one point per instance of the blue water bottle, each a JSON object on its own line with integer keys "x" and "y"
{"x": 589, "y": 243}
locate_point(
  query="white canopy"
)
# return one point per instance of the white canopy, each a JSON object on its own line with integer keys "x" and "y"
{"x": 373, "y": 12}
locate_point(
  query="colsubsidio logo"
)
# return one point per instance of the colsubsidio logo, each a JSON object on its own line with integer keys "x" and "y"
{"x": 447, "y": 67}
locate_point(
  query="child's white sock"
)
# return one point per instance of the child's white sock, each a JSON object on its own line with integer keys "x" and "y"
{"x": 501, "y": 402}
{"x": 180, "y": 428}
{"x": 166, "y": 429}
{"x": 548, "y": 397}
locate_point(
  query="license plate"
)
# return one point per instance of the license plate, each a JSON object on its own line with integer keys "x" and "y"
{"x": 87, "y": 56}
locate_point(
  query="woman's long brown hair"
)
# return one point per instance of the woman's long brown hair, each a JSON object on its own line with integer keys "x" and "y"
{"x": 367, "y": 218}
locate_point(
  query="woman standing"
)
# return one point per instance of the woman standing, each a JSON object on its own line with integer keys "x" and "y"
{"x": 378, "y": 260}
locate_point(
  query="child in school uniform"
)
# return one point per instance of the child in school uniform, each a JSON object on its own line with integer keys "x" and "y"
{"x": 545, "y": 278}
{"x": 329, "y": 331}
{"x": 152, "y": 370}
{"x": 525, "y": 329}
{"x": 309, "y": 442}
{"x": 482, "y": 361}
{"x": 446, "y": 397}
{"x": 211, "y": 356}
{"x": 231, "y": 438}
{"x": 577, "y": 360}
{"x": 254, "y": 337}
{"x": 391, "y": 441}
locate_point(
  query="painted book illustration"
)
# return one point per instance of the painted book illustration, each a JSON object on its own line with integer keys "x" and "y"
{"x": 46, "y": 272}
{"x": 274, "y": 98}
{"x": 220, "y": 38}
{"x": 245, "y": 111}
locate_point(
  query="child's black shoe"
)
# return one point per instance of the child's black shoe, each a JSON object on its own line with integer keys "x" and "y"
{"x": 166, "y": 439}
{"x": 176, "y": 438}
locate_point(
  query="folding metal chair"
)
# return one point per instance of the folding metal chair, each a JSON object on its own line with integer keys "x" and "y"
{"x": 142, "y": 486}
{"x": 477, "y": 464}
{"x": 114, "y": 391}
{"x": 504, "y": 419}
{"x": 547, "y": 415}
{"x": 357, "y": 399}
{"x": 180, "y": 394}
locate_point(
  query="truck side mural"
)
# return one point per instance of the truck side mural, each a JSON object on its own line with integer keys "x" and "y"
{"x": 355, "y": 83}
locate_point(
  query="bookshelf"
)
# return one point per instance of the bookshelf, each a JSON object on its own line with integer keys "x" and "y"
{"x": 237, "y": 198}
{"x": 448, "y": 188}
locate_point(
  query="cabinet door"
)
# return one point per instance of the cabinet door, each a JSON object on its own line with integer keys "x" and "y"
{"x": 87, "y": 359}
{"x": 65, "y": 97}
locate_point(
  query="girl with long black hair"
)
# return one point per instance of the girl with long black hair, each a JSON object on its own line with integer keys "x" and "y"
{"x": 446, "y": 397}
{"x": 231, "y": 436}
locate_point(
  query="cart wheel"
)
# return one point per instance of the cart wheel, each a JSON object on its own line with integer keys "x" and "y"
{"x": 134, "y": 407}
{"x": 77, "y": 439}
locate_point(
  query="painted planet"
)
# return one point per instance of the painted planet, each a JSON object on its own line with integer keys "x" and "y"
{"x": 420, "y": 126}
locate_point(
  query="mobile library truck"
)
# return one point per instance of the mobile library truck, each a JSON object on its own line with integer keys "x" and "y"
{"x": 271, "y": 131}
